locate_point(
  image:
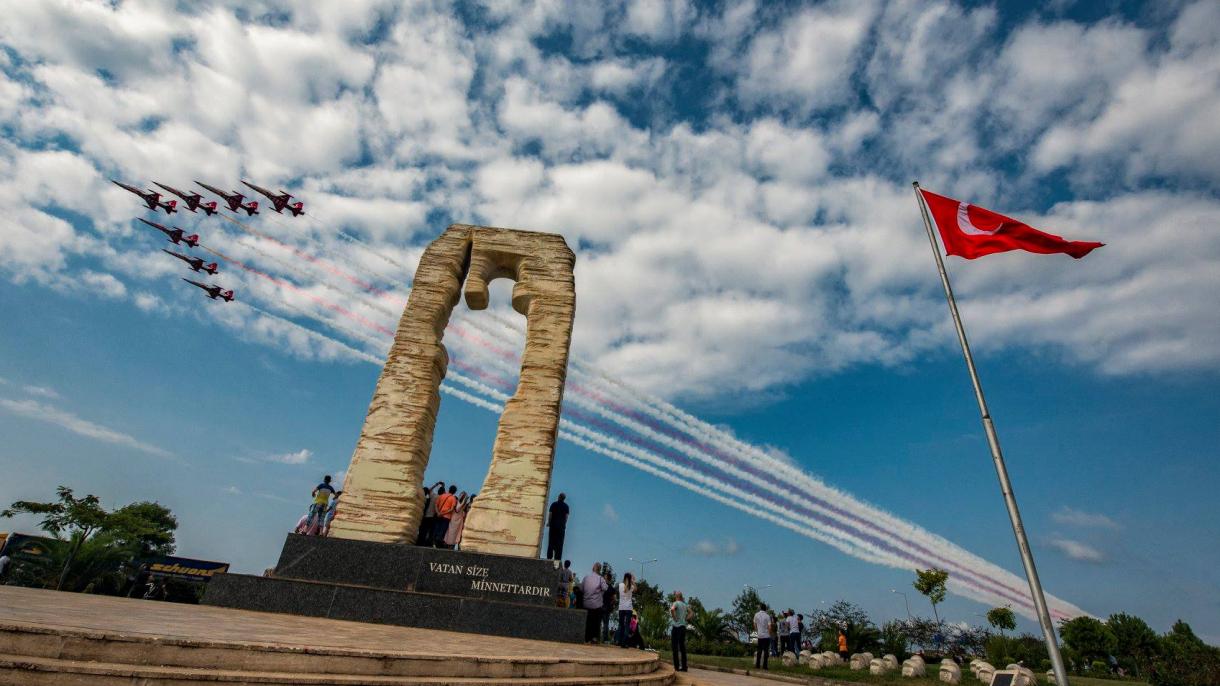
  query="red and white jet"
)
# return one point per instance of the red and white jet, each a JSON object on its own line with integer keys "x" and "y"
{"x": 194, "y": 201}
{"x": 234, "y": 200}
{"x": 213, "y": 291}
{"x": 150, "y": 198}
{"x": 279, "y": 201}
{"x": 196, "y": 263}
{"x": 176, "y": 235}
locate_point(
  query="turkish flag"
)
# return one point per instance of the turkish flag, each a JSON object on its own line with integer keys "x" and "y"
{"x": 970, "y": 231}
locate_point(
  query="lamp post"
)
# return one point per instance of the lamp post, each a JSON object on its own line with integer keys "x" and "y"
{"x": 642, "y": 563}
{"x": 904, "y": 600}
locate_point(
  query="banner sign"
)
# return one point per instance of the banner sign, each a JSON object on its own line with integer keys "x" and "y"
{"x": 184, "y": 568}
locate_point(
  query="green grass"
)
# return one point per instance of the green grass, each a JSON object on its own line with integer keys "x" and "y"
{"x": 843, "y": 673}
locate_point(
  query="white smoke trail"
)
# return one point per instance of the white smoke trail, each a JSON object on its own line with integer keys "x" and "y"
{"x": 864, "y": 515}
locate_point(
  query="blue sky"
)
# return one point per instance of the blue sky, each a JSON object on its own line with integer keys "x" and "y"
{"x": 735, "y": 181}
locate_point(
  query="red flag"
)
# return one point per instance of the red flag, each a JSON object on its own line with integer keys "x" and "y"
{"x": 970, "y": 231}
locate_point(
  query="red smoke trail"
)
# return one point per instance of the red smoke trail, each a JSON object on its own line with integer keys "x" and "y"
{"x": 291, "y": 286}
{"x": 306, "y": 256}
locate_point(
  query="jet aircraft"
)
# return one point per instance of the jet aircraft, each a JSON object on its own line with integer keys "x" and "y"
{"x": 234, "y": 200}
{"x": 196, "y": 263}
{"x": 150, "y": 198}
{"x": 175, "y": 235}
{"x": 194, "y": 201}
{"x": 279, "y": 201}
{"x": 213, "y": 291}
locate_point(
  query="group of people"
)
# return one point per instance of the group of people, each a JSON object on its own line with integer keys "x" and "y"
{"x": 316, "y": 522}
{"x": 777, "y": 633}
{"x": 599, "y": 597}
{"x": 444, "y": 517}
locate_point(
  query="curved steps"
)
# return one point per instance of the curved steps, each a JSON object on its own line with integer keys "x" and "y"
{"x": 34, "y": 671}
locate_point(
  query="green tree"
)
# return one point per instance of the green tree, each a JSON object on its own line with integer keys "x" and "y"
{"x": 1183, "y": 659}
{"x": 1088, "y": 638}
{"x": 712, "y": 626}
{"x": 849, "y": 618}
{"x": 1136, "y": 642}
{"x": 1002, "y": 618}
{"x": 931, "y": 583}
{"x": 745, "y": 606}
{"x": 98, "y": 541}
{"x": 894, "y": 639}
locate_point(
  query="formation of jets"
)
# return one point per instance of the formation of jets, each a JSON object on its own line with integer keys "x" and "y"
{"x": 235, "y": 201}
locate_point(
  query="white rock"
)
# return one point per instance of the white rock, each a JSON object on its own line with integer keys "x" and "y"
{"x": 950, "y": 673}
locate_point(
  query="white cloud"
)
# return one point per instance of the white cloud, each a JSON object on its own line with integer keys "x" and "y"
{"x": 299, "y": 457}
{"x": 66, "y": 420}
{"x": 1076, "y": 550}
{"x": 808, "y": 59}
{"x": 745, "y": 252}
{"x": 1072, "y": 517}
{"x": 708, "y": 548}
{"x": 41, "y": 391}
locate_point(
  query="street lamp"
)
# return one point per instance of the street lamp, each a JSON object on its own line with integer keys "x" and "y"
{"x": 904, "y": 600}
{"x": 642, "y": 563}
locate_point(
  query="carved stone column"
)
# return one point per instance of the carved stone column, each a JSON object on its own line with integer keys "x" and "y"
{"x": 382, "y": 496}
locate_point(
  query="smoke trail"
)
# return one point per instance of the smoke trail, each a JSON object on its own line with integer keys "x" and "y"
{"x": 963, "y": 562}
{"x": 304, "y": 255}
{"x": 358, "y": 354}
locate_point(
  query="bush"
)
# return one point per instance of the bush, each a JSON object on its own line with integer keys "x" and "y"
{"x": 699, "y": 646}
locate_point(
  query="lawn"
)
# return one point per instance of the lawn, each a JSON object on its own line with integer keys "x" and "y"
{"x": 843, "y": 673}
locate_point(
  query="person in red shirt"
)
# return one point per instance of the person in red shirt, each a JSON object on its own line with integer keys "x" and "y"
{"x": 446, "y": 506}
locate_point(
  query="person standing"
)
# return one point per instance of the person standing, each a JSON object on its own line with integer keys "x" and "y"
{"x": 625, "y": 589}
{"x": 427, "y": 524}
{"x": 762, "y": 628}
{"x": 446, "y": 505}
{"x": 331, "y": 512}
{"x": 609, "y": 599}
{"x": 557, "y": 522}
{"x": 453, "y": 535}
{"x": 677, "y": 631}
{"x": 591, "y": 589}
{"x": 567, "y": 578}
{"x": 800, "y": 632}
{"x": 843, "y": 646}
{"x": 321, "y": 503}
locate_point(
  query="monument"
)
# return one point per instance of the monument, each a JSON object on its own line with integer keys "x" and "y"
{"x": 367, "y": 570}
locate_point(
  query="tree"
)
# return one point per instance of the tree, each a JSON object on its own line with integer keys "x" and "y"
{"x": 1088, "y": 638}
{"x": 1136, "y": 642}
{"x": 1002, "y": 618}
{"x": 1185, "y": 660}
{"x": 713, "y": 626}
{"x": 849, "y": 618}
{"x": 745, "y": 606}
{"x": 931, "y": 583}
{"x": 894, "y": 639}
{"x": 98, "y": 541}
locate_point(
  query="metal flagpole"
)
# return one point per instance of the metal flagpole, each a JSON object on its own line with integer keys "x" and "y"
{"x": 993, "y": 441}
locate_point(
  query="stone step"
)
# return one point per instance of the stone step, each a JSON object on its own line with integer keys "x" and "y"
{"x": 37, "y": 671}
{"x": 117, "y": 648}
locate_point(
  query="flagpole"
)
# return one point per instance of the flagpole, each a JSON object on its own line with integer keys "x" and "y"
{"x": 993, "y": 441}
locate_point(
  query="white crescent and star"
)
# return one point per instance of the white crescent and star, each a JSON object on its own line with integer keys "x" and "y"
{"x": 967, "y": 227}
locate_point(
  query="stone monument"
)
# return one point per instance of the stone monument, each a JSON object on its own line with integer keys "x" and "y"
{"x": 381, "y": 493}
{"x": 366, "y": 570}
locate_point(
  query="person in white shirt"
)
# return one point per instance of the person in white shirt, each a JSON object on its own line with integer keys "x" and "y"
{"x": 762, "y": 627}
{"x": 625, "y": 590}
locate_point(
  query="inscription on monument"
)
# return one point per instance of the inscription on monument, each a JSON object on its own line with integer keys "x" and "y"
{"x": 479, "y": 581}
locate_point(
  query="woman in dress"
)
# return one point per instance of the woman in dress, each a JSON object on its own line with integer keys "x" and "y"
{"x": 453, "y": 535}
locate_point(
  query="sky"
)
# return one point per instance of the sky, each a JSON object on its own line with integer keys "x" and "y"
{"x": 735, "y": 181}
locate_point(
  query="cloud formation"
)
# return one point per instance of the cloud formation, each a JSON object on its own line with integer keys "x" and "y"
{"x": 1077, "y": 550}
{"x": 299, "y": 457}
{"x": 741, "y": 210}
{"x": 50, "y": 414}
{"x": 1071, "y": 517}
{"x": 709, "y": 548}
